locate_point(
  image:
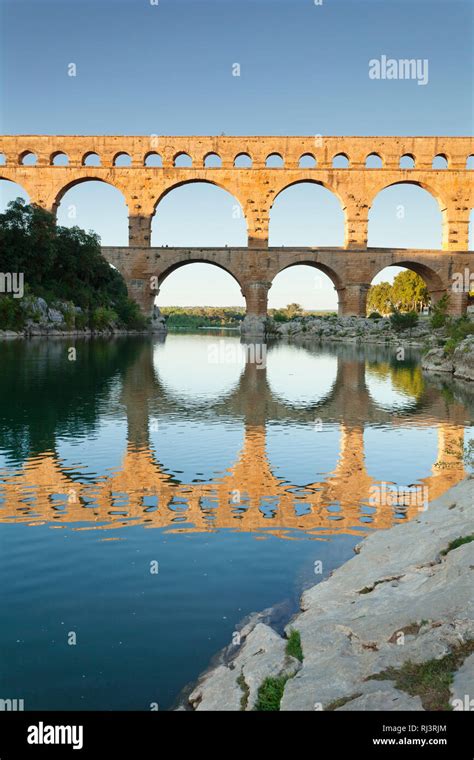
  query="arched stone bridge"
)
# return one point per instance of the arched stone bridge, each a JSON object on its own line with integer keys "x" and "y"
{"x": 255, "y": 187}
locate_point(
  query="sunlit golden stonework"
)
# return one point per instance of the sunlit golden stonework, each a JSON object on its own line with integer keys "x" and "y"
{"x": 351, "y": 268}
{"x": 248, "y": 496}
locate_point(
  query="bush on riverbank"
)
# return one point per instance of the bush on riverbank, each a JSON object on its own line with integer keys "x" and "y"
{"x": 63, "y": 268}
{"x": 457, "y": 330}
{"x": 12, "y": 317}
{"x": 439, "y": 314}
{"x": 403, "y": 321}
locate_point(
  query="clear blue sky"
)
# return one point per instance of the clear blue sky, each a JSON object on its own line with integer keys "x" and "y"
{"x": 167, "y": 69}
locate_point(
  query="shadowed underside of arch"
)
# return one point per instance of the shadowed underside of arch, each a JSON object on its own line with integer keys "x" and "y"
{"x": 331, "y": 187}
{"x": 431, "y": 277}
{"x": 320, "y": 266}
{"x": 81, "y": 181}
{"x": 199, "y": 260}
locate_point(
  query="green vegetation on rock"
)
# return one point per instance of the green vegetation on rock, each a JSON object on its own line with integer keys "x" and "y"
{"x": 270, "y": 693}
{"x": 342, "y": 701}
{"x": 244, "y": 700}
{"x": 65, "y": 267}
{"x": 403, "y": 320}
{"x": 293, "y": 645}
{"x": 439, "y": 312}
{"x": 429, "y": 680}
{"x": 457, "y": 543}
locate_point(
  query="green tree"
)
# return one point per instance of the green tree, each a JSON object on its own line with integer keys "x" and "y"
{"x": 379, "y": 298}
{"x": 61, "y": 264}
{"x": 409, "y": 292}
{"x": 293, "y": 310}
{"x": 439, "y": 316}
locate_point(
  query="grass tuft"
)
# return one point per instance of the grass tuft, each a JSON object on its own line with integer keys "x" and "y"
{"x": 293, "y": 645}
{"x": 428, "y": 680}
{"x": 244, "y": 700}
{"x": 270, "y": 693}
{"x": 457, "y": 543}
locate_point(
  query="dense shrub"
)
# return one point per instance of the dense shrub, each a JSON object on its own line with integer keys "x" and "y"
{"x": 103, "y": 318}
{"x": 439, "y": 315}
{"x": 403, "y": 321}
{"x": 61, "y": 264}
{"x": 12, "y": 316}
{"x": 460, "y": 328}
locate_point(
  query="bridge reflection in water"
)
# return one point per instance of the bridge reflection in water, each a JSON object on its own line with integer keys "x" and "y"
{"x": 248, "y": 496}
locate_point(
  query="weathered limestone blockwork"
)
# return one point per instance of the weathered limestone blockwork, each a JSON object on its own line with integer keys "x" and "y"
{"x": 351, "y": 271}
{"x": 351, "y": 268}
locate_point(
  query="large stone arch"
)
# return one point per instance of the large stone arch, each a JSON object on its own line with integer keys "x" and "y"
{"x": 226, "y": 187}
{"x": 200, "y": 179}
{"x": 331, "y": 186}
{"x": 110, "y": 198}
{"x": 90, "y": 177}
{"x": 202, "y": 258}
{"x": 435, "y": 281}
{"x": 21, "y": 185}
{"x": 145, "y": 278}
{"x": 336, "y": 278}
{"x": 310, "y": 181}
{"x": 256, "y": 291}
{"x": 428, "y": 188}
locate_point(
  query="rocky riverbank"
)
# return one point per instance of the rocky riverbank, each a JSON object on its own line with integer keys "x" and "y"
{"x": 358, "y": 330}
{"x": 442, "y": 354}
{"x": 391, "y": 629}
{"x": 54, "y": 332}
{"x": 66, "y": 320}
{"x": 458, "y": 362}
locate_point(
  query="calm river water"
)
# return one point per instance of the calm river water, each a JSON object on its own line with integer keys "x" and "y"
{"x": 153, "y": 493}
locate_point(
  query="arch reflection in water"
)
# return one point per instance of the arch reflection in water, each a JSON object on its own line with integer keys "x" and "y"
{"x": 250, "y": 488}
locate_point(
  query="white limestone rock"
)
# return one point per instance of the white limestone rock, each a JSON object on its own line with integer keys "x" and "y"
{"x": 262, "y": 655}
{"x": 401, "y": 598}
{"x": 437, "y": 361}
{"x": 463, "y": 359}
{"x": 382, "y": 695}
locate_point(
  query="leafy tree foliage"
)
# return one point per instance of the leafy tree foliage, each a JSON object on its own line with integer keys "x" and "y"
{"x": 379, "y": 298}
{"x": 65, "y": 264}
{"x": 408, "y": 292}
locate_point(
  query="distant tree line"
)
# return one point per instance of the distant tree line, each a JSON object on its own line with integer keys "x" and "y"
{"x": 195, "y": 317}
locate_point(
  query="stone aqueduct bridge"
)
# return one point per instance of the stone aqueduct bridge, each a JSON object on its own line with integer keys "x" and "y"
{"x": 351, "y": 267}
